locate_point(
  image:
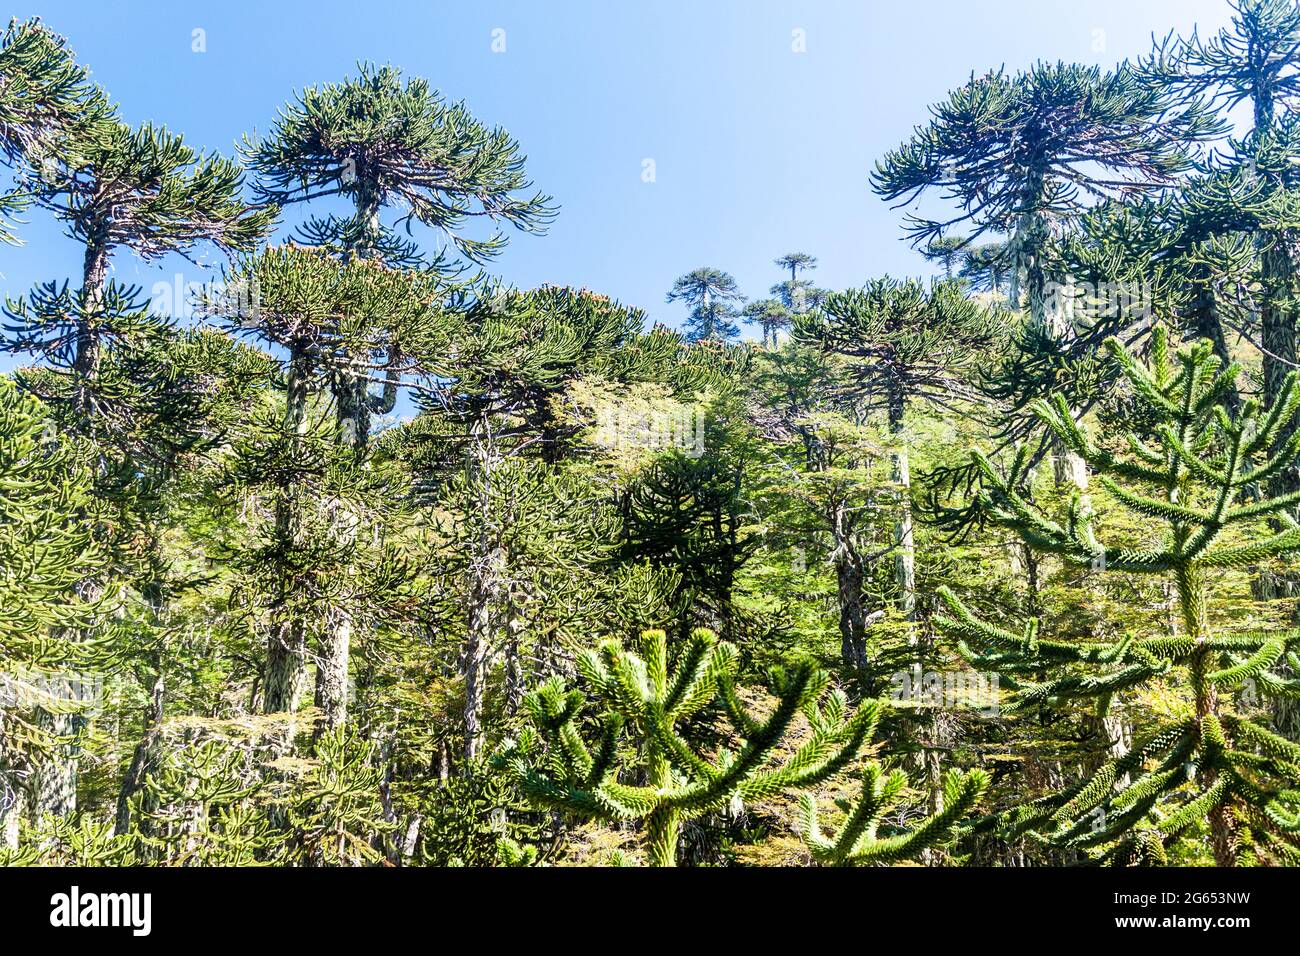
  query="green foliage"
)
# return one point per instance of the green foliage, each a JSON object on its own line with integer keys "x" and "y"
{"x": 479, "y": 819}
{"x": 646, "y": 698}
{"x": 1193, "y": 471}
{"x": 48, "y": 108}
{"x": 381, "y": 141}
{"x": 439, "y": 498}
{"x": 857, "y": 842}
{"x": 712, "y": 297}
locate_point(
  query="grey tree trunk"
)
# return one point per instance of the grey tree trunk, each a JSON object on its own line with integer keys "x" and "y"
{"x": 853, "y": 627}
{"x": 486, "y": 590}
{"x": 904, "y": 544}
{"x": 13, "y": 804}
{"x": 516, "y": 626}
{"x": 353, "y": 406}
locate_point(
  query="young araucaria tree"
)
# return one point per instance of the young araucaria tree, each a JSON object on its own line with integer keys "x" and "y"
{"x": 859, "y": 843}
{"x": 1191, "y": 470}
{"x": 669, "y": 782}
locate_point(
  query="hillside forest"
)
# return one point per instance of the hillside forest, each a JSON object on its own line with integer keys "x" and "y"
{"x": 356, "y": 553}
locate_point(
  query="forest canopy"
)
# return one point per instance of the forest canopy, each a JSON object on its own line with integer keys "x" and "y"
{"x": 364, "y": 555}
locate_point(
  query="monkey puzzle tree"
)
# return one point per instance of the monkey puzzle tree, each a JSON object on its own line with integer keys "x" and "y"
{"x": 687, "y": 515}
{"x": 770, "y": 315}
{"x": 905, "y": 344}
{"x": 48, "y": 107}
{"x": 806, "y": 402}
{"x": 946, "y": 250}
{"x": 381, "y": 142}
{"x": 313, "y": 307}
{"x": 1254, "y": 60}
{"x": 644, "y": 700}
{"x": 796, "y": 294}
{"x": 1188, "y": 469}
{"x": 516, "y": 355}
{"x": 713, "y": 298}
{"x": 1023, "y": 155}
{"x": 145, "y": 190}
{"x": 986, "y": 267}
{"x": 1248, "y": 206}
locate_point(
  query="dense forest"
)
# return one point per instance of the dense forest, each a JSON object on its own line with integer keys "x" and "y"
{"x": 357, "y": 554}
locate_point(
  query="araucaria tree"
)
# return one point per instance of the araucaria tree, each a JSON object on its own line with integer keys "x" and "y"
{"x": 382, "y": 142}
{"x": 713, "y": 298}
{"x": 645, "y": 701}
{"x": 906, "y": 345}
{"x": 351, "y": 447}
{"x": 1190, "y": 470}
{"x": 1022, "y": 155}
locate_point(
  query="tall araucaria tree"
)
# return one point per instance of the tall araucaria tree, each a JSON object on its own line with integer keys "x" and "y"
{"x": 313, "y": 307}
{"x": 770, "y": 315}
{"x": 142, "y": 190}
{"x": 1022, "y": 155}
{"x": 796, "y": 294}
{"x": 906, "y": 345}
{"x": 516, "y": 356}
{"x": 382, "y": 143}
{"x": 805, "y": 398}
{"x": 713, "y": 298}
{"x": 1188, "y": 468}
{"x": 1253, "y": 60}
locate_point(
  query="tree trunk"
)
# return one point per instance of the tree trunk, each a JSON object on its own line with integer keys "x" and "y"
{"x": 904, "y": 546}
{"x": 146, "y": 752}
{"x": 853, "y": 628}
{"x": 85, "y": 362}
{"x": 13, "y": 805}
{"x": 352, "y": 406}
{"x": 53, "y": 784}
{"x": 516, "y": 627}
{"x": 286, "y": 651}
{"x": 486, "y": 591}
{"x": 332, "y": 671}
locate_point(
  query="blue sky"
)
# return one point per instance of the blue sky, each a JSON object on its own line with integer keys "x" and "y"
{"x": 758, "y": 149}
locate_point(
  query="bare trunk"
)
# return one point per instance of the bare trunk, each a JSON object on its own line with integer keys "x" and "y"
{"x": 904, "y": 545}
{"x": 486, "y": 592}
{"x": 85, "y": 363}
{"x": 13, "y": 805}
{"x": 516, "y": 628}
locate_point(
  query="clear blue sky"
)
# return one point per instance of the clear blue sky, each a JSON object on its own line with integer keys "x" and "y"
{"x": 758, "y": 150}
